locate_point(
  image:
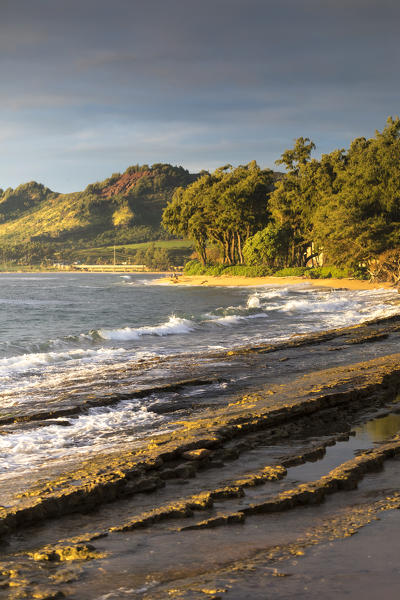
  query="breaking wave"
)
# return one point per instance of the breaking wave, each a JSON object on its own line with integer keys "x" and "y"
{"x": 174, "y": 325}
{"x": 263, "y": 314}
{"x": 31, "y": 362}
{"x": 101, "y": 428}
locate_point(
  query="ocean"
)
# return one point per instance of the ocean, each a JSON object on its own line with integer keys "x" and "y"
{"x": 69, "y": 339}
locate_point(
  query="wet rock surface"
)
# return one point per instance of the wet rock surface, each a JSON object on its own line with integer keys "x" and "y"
{"x": 213, "y": 506}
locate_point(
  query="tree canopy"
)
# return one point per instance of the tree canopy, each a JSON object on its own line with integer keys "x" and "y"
{"x": 358, "y": 216}
{"x": 344, "y": 206}
{"x": 224, "y": 208}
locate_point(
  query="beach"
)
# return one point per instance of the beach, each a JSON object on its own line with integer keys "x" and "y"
{"x": 207, "y": 280}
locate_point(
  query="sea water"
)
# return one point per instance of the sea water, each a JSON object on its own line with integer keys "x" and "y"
{"x": 78, "y": 332}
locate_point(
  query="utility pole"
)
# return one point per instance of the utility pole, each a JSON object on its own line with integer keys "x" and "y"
{"x": 114, "y": 256}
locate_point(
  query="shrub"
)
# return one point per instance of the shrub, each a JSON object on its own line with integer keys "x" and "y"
{"x": 291, "y": 272}
{"x": 360, "y": 272}
{"x": 247, "y": 271}
{"x": 327, "y": 272}
{"x": 194, "y": 267}
{"x": 215, "y": 270}
{"x": 266, "y": 247}
{"x": 386, "y": 267}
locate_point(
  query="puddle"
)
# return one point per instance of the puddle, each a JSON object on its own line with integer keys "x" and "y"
{"x": 374, "y": 431}
{"x": 381, "y": 429}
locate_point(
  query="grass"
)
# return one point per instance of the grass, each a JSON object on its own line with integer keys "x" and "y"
{"x": 12, "y": 268}
{"x": 132, "y": 248}
{"x": 168, "y": 244}
{"x": 178, "y": 250}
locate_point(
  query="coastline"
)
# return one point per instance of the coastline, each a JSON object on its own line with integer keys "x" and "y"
{"x": 227, "y": 479}
{"x": 226, "y": 281}
{"x": 69, "y": 271}
{"x": 248, "y": 472}
{"x": 238, "y": 281}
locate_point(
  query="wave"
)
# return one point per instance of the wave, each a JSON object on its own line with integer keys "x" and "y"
{"x": 174, "y": 326}
{"x": 321, "y": 306}
{"x": 30, "y": 302}
{"x": 335, "y": 304}
{"x": 233, "y": 319}
{"x": 287, "y": 310}
{"x": 226, "y": 320}
{"x": 253, "y": 301}
{"x": 34, "y": 361}
{"x": 101, "y": 428}
{"x": 278, "y": 293}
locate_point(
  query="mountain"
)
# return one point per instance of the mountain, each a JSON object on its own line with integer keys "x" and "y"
{"x": 124, "y": 208}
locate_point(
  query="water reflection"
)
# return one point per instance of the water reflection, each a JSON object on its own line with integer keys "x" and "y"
{"x": 380, "y": 429}
{"x": 374, "y": 431}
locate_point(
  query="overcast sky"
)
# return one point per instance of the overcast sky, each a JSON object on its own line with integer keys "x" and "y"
{"x": 89, "y": 87}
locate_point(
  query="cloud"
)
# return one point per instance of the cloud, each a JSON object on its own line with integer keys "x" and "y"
{"x": 90, "y": 86}
{"x": 102, "y": 58}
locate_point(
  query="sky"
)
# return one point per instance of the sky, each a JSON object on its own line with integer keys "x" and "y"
{"x": 89, "y": 87}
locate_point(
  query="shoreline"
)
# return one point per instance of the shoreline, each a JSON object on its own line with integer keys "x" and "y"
{"x": 239, "y": 281}
{"x": 259, "y": 456}
{"x": 227, "y": 281}
{"x": 69, "y": 271}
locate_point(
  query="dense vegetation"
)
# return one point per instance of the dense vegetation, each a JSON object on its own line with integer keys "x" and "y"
{"x": 161, "y": 254}
{"x": 38, "y": 225}
{"x": 224, "y": 208}
{"x": 194, "y": 267}
{"x": 342, "y": 210}
{"x": 339, "y": 214}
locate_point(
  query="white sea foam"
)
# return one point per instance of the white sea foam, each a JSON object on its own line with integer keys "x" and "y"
{"x": 228, "y": 320}
{"x": 102, "y": 428}
{"x": 29, "y": 362}
{"x": 43, "y": 383}
{"x": 275, "y": 293}
{"x": 257, "y": 299}
{"x": 317, "y": 309}
{"x": 336, "y": 303}
{"x": 253, "y": 301}
{"x": 174, "y": 325}
{"x": 137, "y": 282}
{"x": 267, "y": 314}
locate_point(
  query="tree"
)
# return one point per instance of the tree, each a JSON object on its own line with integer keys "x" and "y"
{"x": 298, "y": 156}
{"x": 292, "y": 201}
{"x": 123, "y": 216}
{"x": 386, "y": 267}
{"x": 266, "y": 247}
{"x": 225, "y": 208}
{"x": 359, "y": 217}
{"x": 184, "y": 215}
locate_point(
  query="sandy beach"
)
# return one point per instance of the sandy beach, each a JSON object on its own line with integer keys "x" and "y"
{"x": 207, "y": 280}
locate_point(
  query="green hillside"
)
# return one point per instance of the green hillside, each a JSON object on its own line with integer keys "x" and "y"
{"x": 37, "y": 223}
{"x": 14, "y": 203}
